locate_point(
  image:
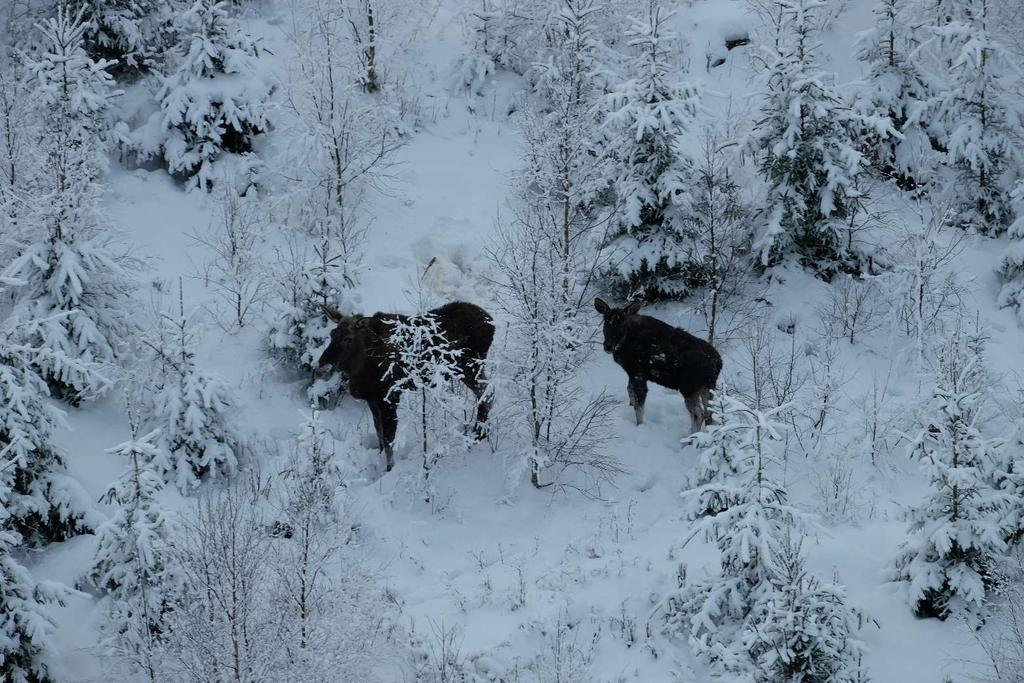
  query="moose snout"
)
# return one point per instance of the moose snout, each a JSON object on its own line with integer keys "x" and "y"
{"x": 323, "y": 371}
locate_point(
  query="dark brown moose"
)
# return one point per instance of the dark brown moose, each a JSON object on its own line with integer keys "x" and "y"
{"x": 361, "y": 349}
{"x": 649, "y": 349}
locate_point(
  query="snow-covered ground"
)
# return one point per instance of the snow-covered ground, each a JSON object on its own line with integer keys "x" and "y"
{"x": 501, "y": 564}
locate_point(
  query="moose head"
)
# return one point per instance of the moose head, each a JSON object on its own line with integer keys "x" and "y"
{"x": 615, "y": 320}
{"x": 346, "y": 340}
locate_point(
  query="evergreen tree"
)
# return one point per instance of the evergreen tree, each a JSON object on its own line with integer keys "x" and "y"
{"x": 192, "y": 409}
{"x": 803, "y": 140}
{"x": 722, "y": 447}
{"x": 25, "y": 628}
{"x": 71, "y": 289}
{"x": 41, "y": 503}
{"x": 980, "y": 115}
{"x": 958, "y": 534}
{"x": 483, "y": 44}
{"x": 133, "y": 563}
{"x": 213, "y": 101}
{"x": 752, "y": 525}
{"x": 893, "y": 105}
{"x": 1011, "y": 268}
{"x": 648, "y": 118}
{"x": 127, "y": 33}
{"x": 806, "y": 632}
{"x": 1008, "y": 477}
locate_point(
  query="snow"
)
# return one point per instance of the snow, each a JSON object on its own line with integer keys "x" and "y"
{"x": 495, "y": 561}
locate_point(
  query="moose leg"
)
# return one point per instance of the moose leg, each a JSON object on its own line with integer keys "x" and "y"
{"x": 637, "y": 390}
{"x": 705, "y": 401}
{"x": 388, "y": 427}
{"x": 695, "y": 406}
{"x": 375, "y": 412}
{"x": 477, "y": 383}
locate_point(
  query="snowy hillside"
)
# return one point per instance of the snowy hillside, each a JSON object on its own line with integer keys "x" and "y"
{"x": 831, "y": 192}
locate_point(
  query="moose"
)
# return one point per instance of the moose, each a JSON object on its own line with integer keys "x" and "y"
{"x": 649, "y": 349}
{"x": 361, "y": 349}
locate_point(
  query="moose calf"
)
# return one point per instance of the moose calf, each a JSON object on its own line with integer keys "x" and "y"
{"x": 651, "y": 350}
{"x": 362, "y": 350}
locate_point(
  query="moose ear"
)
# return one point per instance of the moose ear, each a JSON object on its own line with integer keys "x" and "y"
{"x": 632, "y": 307}
{"x": 362, "y": 323}
{"x": 601, "y": 306}
{"x": 333, "y": 313}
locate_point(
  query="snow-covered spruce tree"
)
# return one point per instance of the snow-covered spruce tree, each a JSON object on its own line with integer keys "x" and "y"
{"x": 345, "y": 144}
{"x": 129, "y": 33}
{"x": 72, "y": 289}
{"x": 716, "y": 612}
{"x": 957, "y": 536}
{"x": 806, "y": 631}
{"x": 1008, "y": 477}
{"x": 193, "y": 409}
{"x": 895, "y": 96}
{"x": 648, "y": 116}
{"x": 722, "y": 446}
{"x": 484, "y": 38}
{"x": 25, "y": 627}
{"x": 429, "y": 390}
{"x": 1011, "y": 268}
{"x": 980, "y": 115}
{"x": 41, "y": 503}
{"x": 803, "y": 140}
{"x": 213, "y": 100}
{"x": 134, "y": 562}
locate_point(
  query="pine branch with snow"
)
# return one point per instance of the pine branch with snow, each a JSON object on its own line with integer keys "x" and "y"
{"x": 717, "y": 222}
